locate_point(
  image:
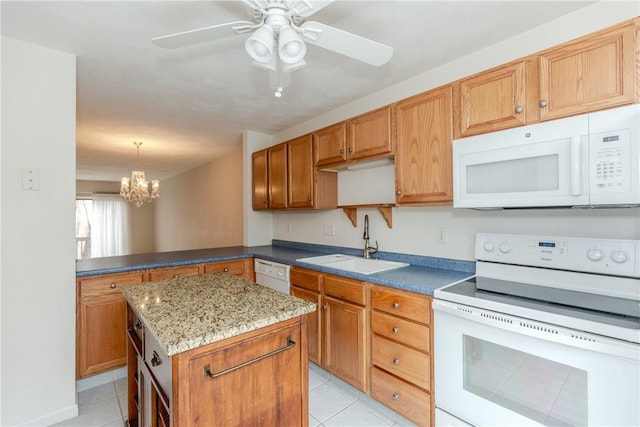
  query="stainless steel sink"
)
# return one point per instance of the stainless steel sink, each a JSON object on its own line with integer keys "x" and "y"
{"x": 353, "y": 263}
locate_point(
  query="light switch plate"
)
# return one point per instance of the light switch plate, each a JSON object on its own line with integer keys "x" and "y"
{"x": 30, "y": 179}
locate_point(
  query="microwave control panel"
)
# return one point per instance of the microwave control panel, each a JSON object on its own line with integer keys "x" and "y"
{"x": 610, "y": 154}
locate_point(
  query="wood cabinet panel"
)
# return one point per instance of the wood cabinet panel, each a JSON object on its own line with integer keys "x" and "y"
{"x": 300, "y": 172}
{"x": 423, "y": 154}
{"x": 402, "y": 331}
{"x": 314, "y": 323}
{"x": 370, "y": 135}
{"x": 235, "y": 267}
{"x": 401, "y": 361}
{"x": 304, "y": 278}
{"x": 260, "y": 180}
{"x": 277, "y": 176}
{"x": 344, "y": 289}
{"x": 331, "y": 145}
{"x": 268, "y": 391}
{"x": 401, "y": 303}
{"x": 594, "y": 72}
{"x": 174, "y": 272}
{"x": 402, "y": 397}
{"x": 345, "y": 341}
{"x": 106, "y": 285}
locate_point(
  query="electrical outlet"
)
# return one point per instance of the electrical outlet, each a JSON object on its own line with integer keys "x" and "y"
{"x": 442, "y": 235}
{"x": 329, "y": 230}
{"x": 290, "y": 228}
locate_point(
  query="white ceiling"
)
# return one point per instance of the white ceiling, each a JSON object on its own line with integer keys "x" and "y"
{"x": 190, "y": 105}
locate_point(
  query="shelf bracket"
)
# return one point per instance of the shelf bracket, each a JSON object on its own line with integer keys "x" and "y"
{"x": 385, "y": 210}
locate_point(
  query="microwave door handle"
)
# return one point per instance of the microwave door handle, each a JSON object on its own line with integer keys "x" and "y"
{"x": 576, "y": 182}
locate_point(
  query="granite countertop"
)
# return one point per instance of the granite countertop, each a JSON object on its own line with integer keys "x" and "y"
{"x": 424, "y": 274}
{"x": 189, "y": 312}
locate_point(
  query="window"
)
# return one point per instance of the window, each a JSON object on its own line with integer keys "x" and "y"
{"x": 102, "y": 226}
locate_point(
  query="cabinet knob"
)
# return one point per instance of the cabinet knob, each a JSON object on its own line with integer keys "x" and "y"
{"x": 138, "y": 324}
{"x": 519, "y": 109}
{"x": 155, "y": 360}
{"x": 112, "y": 286}
{"x": 396, "y": 361}
{"x": 398, "y": 192}
{"x": 394, "y": 329}
{"x": 226, "y": 270}
{"x": 175, "y": 276}
{"x": 396, "y": 304}
{"x": 342, "y": 151}
{"x": 351, "y": 149}
{"x": 395, "y": 396}
{"x": 308, "y": 198}
{"x": 543, "y": 103}
{"x": 324, "y": 307}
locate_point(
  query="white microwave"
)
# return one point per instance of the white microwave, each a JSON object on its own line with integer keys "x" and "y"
{"x": 591, "y": 160}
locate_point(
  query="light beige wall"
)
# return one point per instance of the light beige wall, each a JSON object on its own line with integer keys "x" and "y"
{"x": 37, "y": 262}
{"x": 142, "y": 218}
{"x": 203, "y": 207}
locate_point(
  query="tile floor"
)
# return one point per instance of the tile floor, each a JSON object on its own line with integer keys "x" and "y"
{"x": 332, "y": 402}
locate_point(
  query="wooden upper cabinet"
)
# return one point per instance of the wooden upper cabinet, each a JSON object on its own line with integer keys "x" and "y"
{"x": 260, "y": 197}
{"x": 494, "y": 100}
{"x": 423, "y": 151}
{"x": 370, "y": 135}
{"x": 277, "y": 176}
{"x": 331, "y": 144}
{"x": 592, "y": 73}
{"x": 301, "y": 171}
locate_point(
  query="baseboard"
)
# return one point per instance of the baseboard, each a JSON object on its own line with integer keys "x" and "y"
{"x": 54, "y": 417}
{"x": 100, "y": 379}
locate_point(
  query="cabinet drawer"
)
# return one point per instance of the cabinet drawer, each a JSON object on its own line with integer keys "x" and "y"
{"x": 158, "y": 362}
{"x": 174, "y": 272}
{"x": 305, "y": 278}
{"x": 107, "y": 284}
{"x": 403, "y": 398}
{"x": 345, "y": 289}
{"x": 401, "y": 303}
{"x": 398, "y": 329}
{"x": 407, "y": 363}
{"x": 232, "y": 267}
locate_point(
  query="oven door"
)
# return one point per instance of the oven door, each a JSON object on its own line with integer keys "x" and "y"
{"x": 495, "y": 369}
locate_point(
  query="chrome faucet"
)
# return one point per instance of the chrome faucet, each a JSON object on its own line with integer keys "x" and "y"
{"x": 368, "y": 250}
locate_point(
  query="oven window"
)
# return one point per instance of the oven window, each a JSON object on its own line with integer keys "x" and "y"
{"x": 545, "y": 391}
{"x": 527, "y": 174}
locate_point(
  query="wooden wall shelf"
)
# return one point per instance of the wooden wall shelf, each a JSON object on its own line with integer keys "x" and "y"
{"x": 385, "y": 210}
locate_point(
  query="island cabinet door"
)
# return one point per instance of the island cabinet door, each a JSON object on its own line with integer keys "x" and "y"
{"x": 258, "y": 381}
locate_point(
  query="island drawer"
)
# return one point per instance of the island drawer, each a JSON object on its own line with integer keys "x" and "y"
{"x": 401, "y": 330}
{"x": 174, "y": 272}
{"x": 404, "y": 362}
{"x": 235, "y": 267}
{"x": 159, "y": 362}
{"x": 108, "y": 284}
{"x": 345, "y": 289}
{"x": 305, "y": 278}
{"x": 407, "y": 400}
{"x": 401, "y": 303}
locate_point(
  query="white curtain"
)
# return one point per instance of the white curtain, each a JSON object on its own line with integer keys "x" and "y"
{"x": 110, "y": 228}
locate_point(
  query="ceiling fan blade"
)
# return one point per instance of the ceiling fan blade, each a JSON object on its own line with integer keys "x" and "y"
{"x": 345, "y": 43}
{"x": 201, "y": 35}
{"x": 305, "y": 8}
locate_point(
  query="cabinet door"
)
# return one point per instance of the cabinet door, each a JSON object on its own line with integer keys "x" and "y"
{"x": 345, "y": 341}
{"x": 102, "y": 335}
{"x": 255, "y": 382}
{"x": 593, "y": 73}
{"x": 314, "y": 320}
{"x": 331, "y": 145}
{"x": 260, "y": 197}
{"x": 423, "y": 152}
{"x": 300, "y": 172}
{"x": 370, "y": 135}
{"x": 277, "y": 171}
{"x": 492, "y": 100}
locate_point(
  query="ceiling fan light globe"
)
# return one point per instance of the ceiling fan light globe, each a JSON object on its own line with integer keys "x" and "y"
{"x": 260, "y": 44}
{"x": 291, "y": 48}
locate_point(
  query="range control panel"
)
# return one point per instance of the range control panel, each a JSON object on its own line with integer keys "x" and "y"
{"x": 606, "y": 256}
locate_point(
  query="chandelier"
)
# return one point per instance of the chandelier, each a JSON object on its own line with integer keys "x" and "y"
{"x": 137, "y": 189}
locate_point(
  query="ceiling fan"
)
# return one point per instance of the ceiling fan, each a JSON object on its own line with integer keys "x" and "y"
{"x": 279, "y": 33}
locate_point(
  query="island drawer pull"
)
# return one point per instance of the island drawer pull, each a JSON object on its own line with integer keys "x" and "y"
{"x": 209, "y": 374}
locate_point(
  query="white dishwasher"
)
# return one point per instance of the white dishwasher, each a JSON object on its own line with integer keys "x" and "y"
{"x": 272, "y": 275}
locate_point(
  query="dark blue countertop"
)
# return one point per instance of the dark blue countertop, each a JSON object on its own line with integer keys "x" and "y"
{"x": 423, "y": 275}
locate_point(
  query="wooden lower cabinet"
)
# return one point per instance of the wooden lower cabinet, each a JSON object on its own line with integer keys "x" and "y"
{"x": 257, "y": 378}
{"x": 101, "y": 311}
{"x": 401, "y": 343}
{"x": 101, "y": 322}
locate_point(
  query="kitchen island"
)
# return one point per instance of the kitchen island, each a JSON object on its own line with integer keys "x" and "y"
{"x": 216, "y": 349}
